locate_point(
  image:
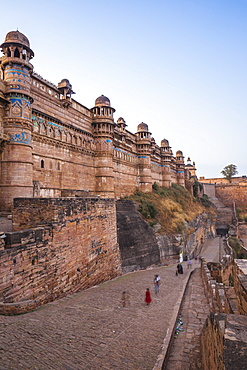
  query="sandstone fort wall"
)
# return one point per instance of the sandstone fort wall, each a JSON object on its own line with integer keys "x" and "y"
{"x": 51, "y": 143}
{"x": 73, "y": 247}
{"x": 230, "y": 193}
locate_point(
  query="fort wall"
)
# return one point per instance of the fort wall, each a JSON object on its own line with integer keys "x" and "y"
{"x": 232, "y": 193}
{"x": 51, "y": 143}
{"x": 62, "y": 245}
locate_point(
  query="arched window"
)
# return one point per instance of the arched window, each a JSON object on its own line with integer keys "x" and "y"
{"x": 42, "y": 163}
{"x": 8, "y": 53}
{"x": 17, "y": 53}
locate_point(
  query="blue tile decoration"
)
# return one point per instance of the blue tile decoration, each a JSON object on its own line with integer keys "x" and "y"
{"x": 23, "y": 138}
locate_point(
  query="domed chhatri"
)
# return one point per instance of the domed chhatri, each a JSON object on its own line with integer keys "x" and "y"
{"x": 142, "y": 127}
{"x": 102, "y": 100}
{"x": 17, "y": 38}
{"x": 164, "y": 142}
{"x": 120, "y": 120}
{"x": 179, "y": 153}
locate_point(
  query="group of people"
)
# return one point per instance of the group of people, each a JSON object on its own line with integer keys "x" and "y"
{"x": 179, "y": 270}
{"x": 148, "y": 299}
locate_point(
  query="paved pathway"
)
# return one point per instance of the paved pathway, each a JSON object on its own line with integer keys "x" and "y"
{"x": 211, "y": 250}
{"x": 185, "y": 351}
{"x": 91, "y": 330}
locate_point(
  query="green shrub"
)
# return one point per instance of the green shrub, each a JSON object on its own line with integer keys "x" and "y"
{"x": 155, "y": 186}
{"x": 205, "y": 201}
{"x": 236, "y": 246}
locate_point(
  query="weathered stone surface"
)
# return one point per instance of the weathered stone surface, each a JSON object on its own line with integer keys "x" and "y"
{"x": 74, "y": 247}
{"x": 232, "y": 193}
{"x": 137, "y": 241}
{"x": 141, "y": 246}
{"x": 224, "y": 342}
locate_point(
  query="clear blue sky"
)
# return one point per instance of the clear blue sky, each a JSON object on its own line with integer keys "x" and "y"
{"x": 177, "y": 65}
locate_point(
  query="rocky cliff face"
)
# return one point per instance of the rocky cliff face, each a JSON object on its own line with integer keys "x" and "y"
{"x": 137, "y": 241}
{"x": 142, "y": 246}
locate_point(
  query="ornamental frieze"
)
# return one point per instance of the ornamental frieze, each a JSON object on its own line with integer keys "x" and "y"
{"x": 23, "y": 138}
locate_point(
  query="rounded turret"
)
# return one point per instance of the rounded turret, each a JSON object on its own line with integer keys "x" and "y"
{"x": 103, "y": 128}
{"x": 102, "y": 111}
{"x": 164, "y": 143}
{"x": 142, "y": 127}
{"x": 102, "y": 100}
{"x": 18, "y": 44}
{"x": 16, "y": 73}
{"x": 16, "y": 68}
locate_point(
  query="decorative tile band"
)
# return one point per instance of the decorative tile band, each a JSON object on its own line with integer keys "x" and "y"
{"x": 23, "y": 138}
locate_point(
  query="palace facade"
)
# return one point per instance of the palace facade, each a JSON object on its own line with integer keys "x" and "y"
{"x": 53, "y": 146}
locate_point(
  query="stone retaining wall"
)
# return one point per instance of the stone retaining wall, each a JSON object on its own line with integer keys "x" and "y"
{"x": 224, "y": 342}
{"x": 232, "y": 193}
{"x": 74, "y": 247}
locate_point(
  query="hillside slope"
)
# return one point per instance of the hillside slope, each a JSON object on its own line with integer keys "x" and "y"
{"x": 170, "y": 209}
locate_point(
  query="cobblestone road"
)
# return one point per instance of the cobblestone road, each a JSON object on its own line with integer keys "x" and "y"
{"x": 91, "y": 330}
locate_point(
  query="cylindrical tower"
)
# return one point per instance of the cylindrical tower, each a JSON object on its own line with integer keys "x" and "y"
{"x": 180, "y": 168}
{"x": 103, "y": 127}
{"x": 144, "y": 157}
{"x": 166, "y": 155}
{"x": 16, "y": 161}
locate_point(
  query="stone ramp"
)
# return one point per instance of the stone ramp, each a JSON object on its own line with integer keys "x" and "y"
{"x": 91, "y": 330}
{"x": 211, "y": 250}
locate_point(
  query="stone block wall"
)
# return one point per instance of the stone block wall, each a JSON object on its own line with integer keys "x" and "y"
{"x": 212, "y": 343}
{"x": 74, "y": 247}
{"x": 230, "y": 193}
{"x": 224, "y": 342}
{"x": 240, "y": 284}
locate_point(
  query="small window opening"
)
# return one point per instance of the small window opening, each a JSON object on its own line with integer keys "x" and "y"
{"x": 42, "y": 163}
{"x": 17, "y": 53}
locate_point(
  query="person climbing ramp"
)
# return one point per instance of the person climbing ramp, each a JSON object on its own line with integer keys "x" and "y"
{"x": 157, "y": 284}
{"x": 148, "y": 298}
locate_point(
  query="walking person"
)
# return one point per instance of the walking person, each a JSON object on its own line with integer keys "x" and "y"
{"x": 189, "y": 264}
{"x": 124, "y": 299}
{"x": 156, "y": 284}
{"x": 148, "y": 298}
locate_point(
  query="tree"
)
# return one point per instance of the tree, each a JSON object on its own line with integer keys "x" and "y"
{"x": 229, "y": 171}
